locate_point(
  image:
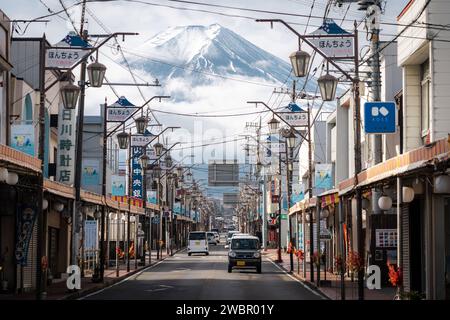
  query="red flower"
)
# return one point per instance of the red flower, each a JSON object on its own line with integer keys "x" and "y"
{"x": 395, "y": 275}
{"x": 354, "y": 262}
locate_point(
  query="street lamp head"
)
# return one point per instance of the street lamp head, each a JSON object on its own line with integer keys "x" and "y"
{"x": 141, "y": 124}
{"x": 300, "y": 62}
{"x": 122, "y": 139}
{"x": 144, "y": 161}
{"x": 69, "y": 95}
{"x": 273, "y": 125}
{"x": 189, "y": 176}
{"x": 290, "y": 139}
{"x": 168, "y": 160}
{"x": 156, "y": 171}
{"x": 96, "y": 72}
{"x": 158, "y": 148}
{"x": 180, "y": 171}
{"x": 327, "y": 84}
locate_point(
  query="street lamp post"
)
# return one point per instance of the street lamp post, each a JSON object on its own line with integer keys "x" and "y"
{"x": 122, "y": 141}
{"x": 328, "y": 90}
{"x": 289, "y": 145}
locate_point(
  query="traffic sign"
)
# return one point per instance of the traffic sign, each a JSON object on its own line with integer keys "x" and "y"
{"x": 380, "y": 117}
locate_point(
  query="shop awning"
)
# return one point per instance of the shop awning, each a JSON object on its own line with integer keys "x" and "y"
{"x": 18, "y": 160}
{"x": 409, "y": 161}
{"x": 329, "y": 197}
{"x": 302, "y": 205}
{"x": 59, "y": 189}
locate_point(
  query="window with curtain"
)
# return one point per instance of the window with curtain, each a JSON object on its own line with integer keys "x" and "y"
{"x": 425, "y": 84}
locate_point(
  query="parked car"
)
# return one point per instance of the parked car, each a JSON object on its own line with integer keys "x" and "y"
{"x": 244, "y": 252}
{"x": 212, "y": 239}
{"x": 198, "y": 243}
{"x": 216, "y": 236}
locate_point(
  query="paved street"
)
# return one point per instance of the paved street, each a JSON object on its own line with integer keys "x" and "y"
{"x": 202, "y": 277}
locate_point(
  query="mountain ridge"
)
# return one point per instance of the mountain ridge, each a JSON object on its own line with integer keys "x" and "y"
{"x": 194, "y": 52}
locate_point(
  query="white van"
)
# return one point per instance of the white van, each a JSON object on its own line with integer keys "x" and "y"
{"x": 198, "y": 243}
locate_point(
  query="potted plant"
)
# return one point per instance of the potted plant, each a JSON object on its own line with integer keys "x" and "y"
{"x": 354, "y": 263}
{"x": 338, "y": 264}
{"x": 396, "y": 279}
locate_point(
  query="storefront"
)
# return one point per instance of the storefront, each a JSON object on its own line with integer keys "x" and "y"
{"x": 19, "y": 187}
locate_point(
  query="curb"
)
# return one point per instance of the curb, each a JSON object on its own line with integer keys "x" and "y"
{"x": 309, "y": 284}
{"x": 82, "y": 293}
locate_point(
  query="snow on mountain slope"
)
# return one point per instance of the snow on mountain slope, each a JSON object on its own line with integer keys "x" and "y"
{"x": 195, "y": 52}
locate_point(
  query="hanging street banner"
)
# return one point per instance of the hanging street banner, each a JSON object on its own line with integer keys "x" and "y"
{"x": 67, "y": 52}
{"x": 177, "y": 208}
{"x": 90, "y": 172}
{"x": 120, "y": 111}
{"x": 275, "y": 145}
{"x": 25, "y": 218}
{"x": 335, "y": 41}
{"x": 294, "y": 115}
{"x": 22, "y": 138}
{"x": 380, "y": 117}
{"x": 136, "y": 177}
{"x": 118, "y": 185}
{"x": 151, "y": 197}
{"x": 66, "y": 145}
{"x": 298, "y": 193}
{"x": 323, "y": 176}
{"x": 91, "y": 237}
{"x": 141, "y": 140}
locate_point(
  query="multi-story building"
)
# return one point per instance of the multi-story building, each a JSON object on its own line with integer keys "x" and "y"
{"x": 423, "y": 55}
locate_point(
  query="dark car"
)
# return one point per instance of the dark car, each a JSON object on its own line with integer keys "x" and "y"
{"x": 244, "y": 253}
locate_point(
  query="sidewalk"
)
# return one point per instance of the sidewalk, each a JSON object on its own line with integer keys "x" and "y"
{"x": 59, "y": 291}
{"x": 333, "y": 290}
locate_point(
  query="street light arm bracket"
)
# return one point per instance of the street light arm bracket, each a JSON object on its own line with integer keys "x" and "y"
{"x": 304, "y": 39}
{"x": 275, "y": 113}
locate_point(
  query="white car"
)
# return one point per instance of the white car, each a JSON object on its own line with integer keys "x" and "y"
{"x": 230, "y": 234}
{"x": 212, "y": 238}
{"x": 216, "y": 236}
{"x": 198, "y": 243}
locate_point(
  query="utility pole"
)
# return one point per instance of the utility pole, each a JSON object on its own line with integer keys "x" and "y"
{"x": 310, "y": 194}
{"x": 79, "y": 150}
{"x": 40, "y": 276}
{"x": 373, "y": 17}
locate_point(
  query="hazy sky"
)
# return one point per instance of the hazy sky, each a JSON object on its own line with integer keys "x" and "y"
{"x": 149, "y": 17}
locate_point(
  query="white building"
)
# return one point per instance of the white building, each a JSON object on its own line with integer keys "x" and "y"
{"x": 424, "y": 56}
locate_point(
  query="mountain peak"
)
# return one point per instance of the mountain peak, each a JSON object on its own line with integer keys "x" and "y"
{"x": 196, "y": 52}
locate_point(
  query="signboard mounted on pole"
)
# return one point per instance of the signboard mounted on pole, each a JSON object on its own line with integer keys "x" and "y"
{"x": 67, "y": 52}
{"x": 333, "y": 41}
{"x": 120, "y": 111}
{"x": 294, "y": 115}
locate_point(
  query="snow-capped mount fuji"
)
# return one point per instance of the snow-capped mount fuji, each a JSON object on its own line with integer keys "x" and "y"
{"x": 195, "y": 52}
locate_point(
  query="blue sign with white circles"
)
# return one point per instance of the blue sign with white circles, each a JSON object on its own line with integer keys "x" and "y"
{"x": 380, "y": 117}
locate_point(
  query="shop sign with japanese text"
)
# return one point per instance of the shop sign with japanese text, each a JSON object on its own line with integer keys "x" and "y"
{"x": 136, "y": 177}
{"x": 119, "y": 114}
{"x": 141, "y": 140}
{"x": 66, "y": 146}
